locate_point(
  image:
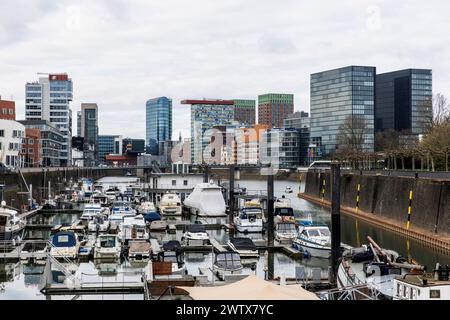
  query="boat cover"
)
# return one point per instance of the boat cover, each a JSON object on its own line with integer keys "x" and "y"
{"x": 243, "y": 243}
{"x": 64, "y": 239}
{"x": 194, "y": 228}
{"x": 152, "y": 216}
{"x": 172, "y": 245}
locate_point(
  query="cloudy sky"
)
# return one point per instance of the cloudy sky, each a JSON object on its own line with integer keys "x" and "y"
{"x": 121, "y": 53}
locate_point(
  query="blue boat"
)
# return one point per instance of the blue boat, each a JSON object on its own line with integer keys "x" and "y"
{"x": 152, "y": 216}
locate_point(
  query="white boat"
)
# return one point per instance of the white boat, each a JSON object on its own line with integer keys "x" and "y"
{"x": 120, "y": 211}
{"x": 90, "y": 211}
{"x": 314, "y": 239}
{"x": 158, "y": 225}
{"x": 170, "y": 205}
{"x": 100, "y": 198}
{"x": 172, "y": 253}
{"x": 133, "y": 228}
{"x": 112, "y": 193}
{"x": 139, "y": 250}
{"x": 288, "y": 189}
{"x": 146, "y": 207}
{"x": 65, "y": 244}
{"x": 87, "y": 187}
{"x": 283, "y": 211}
{"x": 11, "y": 224}
{"x": 285, "y": 232}
{"x": 99, "y": 223}
{"x": 195, "y": 235}
{"x": 249, "y": 220}
{"x": 37, "y": 249}
{"x": 423, "y": 286}
{"x": 227, "y": 263}
{"x": 107, "y": 246}
{"x": 206, "y": 200}
{"x": 244, "y": 246}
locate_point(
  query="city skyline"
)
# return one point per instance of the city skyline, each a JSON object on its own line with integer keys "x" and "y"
{"x": 280, "y": 59}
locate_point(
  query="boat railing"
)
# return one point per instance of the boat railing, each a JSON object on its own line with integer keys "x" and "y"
{"x": 356, "y": 292}
{"x": 60, "y": 254}
{"x": 119, "y": 278}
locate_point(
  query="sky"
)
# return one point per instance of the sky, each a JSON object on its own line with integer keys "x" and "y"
{"x": 120, "y": 53}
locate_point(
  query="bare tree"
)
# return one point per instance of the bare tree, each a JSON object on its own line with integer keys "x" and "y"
{"x": 352, "y": 135}
{"x": 440, "y": 111}
{"x": 387, "y": 140}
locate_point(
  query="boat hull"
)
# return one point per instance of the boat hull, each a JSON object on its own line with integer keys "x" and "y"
{"x": 314, "y": 250}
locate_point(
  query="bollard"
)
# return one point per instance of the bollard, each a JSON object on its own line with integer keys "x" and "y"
{"x": 357, "y": 197}
{"x": 409, "y": 210}
{"x": 323, "y": 189}
{"x": 335, "y": 221}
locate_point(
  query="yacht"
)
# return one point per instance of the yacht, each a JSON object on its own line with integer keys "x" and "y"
{"x": 99, "y": 223}
{"x": 283, "y": 211}
{"x": 87, "y": 187}
{"x": 170, "y": 205}
{"x": 107, "y": 246}
{"x": 195, "y": 235}
{"x": 11, "y": 224}
{"x": 285, "y": 232}
{"x": 172, "y": 253}
{"x": 133, "y": 228}
{"x": 120, "y": 210}
{"x": 227, "y": 263}
{"x": 288, "y": 189}
{"x": 206, "y": 200}
{"x": 100, "y": 198}
{"x": 90, "y": 211}
{"x": 146, "y": 207}
{"x": 313, "y": 239}
{"x": 139, "y": 250}
{"x": 112, "y": 193}
{"x": 244, "y": 246}
{"x": 249, "y": 219}
{"x": 65, "y": 244}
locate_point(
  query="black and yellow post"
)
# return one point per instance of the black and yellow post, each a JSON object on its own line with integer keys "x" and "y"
{"x": 323, "y": 190}
{"x": 357, "y": 197}
{"x": 409, "y": 210}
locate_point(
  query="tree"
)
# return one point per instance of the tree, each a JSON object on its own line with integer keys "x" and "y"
{"x": 436, "y": 145}
{"x": 440, "y": 111}
{"x": 387, "y": 140}
{"x": 352, "y": 135}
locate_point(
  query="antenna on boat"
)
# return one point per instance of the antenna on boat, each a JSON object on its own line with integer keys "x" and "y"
{"x": 3, "y": 203}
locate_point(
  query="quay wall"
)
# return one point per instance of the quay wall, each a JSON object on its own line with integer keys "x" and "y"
{"x": 388, "y": 197}
{"x": 14, "y": 184}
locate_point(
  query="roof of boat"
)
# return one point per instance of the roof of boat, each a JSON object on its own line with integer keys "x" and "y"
{"x": 6, "y": 211}
{"x": 194, "y": 228}
{"x": 243, "y": 243}
{"x": 172, "y": 245}
{"x": 208, "y": 185}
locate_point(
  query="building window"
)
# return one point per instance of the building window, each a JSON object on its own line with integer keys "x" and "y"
{"x": 11, "y": 146}
{"x": 30, "y": 150}
{"x": 174, "y": 182}
{"x": 11, "y": 111}
{"x": 5, "y": 111}
{"x": 2, "y": 133}
{"x": 185, "y": 183}
{"x": 30, "y": 141}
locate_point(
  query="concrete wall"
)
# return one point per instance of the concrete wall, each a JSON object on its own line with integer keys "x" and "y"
{"x": 387, "y": 196}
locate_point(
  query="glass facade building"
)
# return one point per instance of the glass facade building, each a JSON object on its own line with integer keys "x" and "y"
{"x": 108, "y": 144}
{"x": 337, "y": 96}
{"x": 245, "y": 112}
{"x": 280, "y": 148}
{"x": 89, "y": 127}
{"x": 403, "y": 101}
{"x": 158, "y": 123}
{"x": 205, "y": 114}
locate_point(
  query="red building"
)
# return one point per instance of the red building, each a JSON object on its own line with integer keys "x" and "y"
{"x": 7, "y": 109}
{"x": 118, "y": 160}
{"x": 273, "y": 108}
{"x": 31, "y": 148}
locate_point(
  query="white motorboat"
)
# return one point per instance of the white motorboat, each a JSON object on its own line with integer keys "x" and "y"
{"x": 112, "y": 193}
{"x": 99, "y": 223}
{"x": 314, "y": 240}
{"x": 11, "y": 224}
{"x": 423, "y": 286}
{"x": 139, "y": 250}
{"x": 87, "y": 187}
{"x": 146, "y": 207}
{"x": 90, "y": 211}
{"x": 206, "y": 200}
{"x": 244, "y": 246}
{"x": 285, "y": 232}
{"x": 283, "y": 211}
{"x": 172, "y": 253}
{"x": 249, "y": 219}
{"x": 227, "y": 263}
{"x": 195, "y": 235}
{"x": 170, "y": 205}
{"x": 288, "y": 189}
{"x": 120, "y": 211}
{"x": 37, "y": 250}
{"x": 107, "y": 246}
{"x": 100, "y": 198}
{"x": 65, "y": 244}
{"x": 133, "y": 228}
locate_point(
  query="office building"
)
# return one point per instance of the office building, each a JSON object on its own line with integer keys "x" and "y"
{"x": 273, "y": 108}
{"x": 245, "y": 112}
{"x": 280, "y": 148}
{"x": 31, "y": 148}
{"x": 342, "y": 97}
{"x": 89, "y": 131}
{"x": 52, "y": 142}
{"x": 248, "y": 144}
{"x": 158, "y": 122}
{"x": 7, "y": 109}
{"x": 49, "y": 99}
{"x": 109, "y": 144}
{"x": 79, "y": 123}
{"x": 296, "y": 120}
{"x": 205, "y": 114}
{"x": 12, "y": 134}
{"x": 404, "y": 101}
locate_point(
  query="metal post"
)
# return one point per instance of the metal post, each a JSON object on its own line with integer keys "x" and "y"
{"x": 205, "y": 174}
{"x": 270, "y": 202}
{"x": 335, "y": 221}
{"x": 231, "y": 196}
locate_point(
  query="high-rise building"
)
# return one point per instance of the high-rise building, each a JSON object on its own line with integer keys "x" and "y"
{"x": 158, "y": 122}
{"x": 245, "y": 112}
{"x": 338, "y": 98}
{"x": 108, "y": 144}
{"x": 248, "y": 143}
{"x": 89, "y": 130}
{"x": 51, "y": 142}
{"x": 7, "y": 109}
{"x": 273, "y": 108}
{"x": 49, "y": 99}
{"x": 79, "y": 123}
{"x": 133, "y": 146}
{"x": 205, "y": 114}
{"x": 403, "y": 101}
{"x": 280, "y": 148}
{"x": 296, "y": 120}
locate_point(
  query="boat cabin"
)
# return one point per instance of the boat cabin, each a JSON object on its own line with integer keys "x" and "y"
{"x": 228, "y": 261}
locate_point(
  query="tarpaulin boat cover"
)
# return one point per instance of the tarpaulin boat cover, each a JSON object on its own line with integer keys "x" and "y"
{"x": 250, "y": 288}
{"x": 243, "y": 243}
{"x": 64, "y": 239}
{"x": 172, "y": 245}
{"x": 152, "y": 216}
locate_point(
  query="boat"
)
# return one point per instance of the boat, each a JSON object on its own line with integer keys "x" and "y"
{"x": 35, "y": 252}
{"x": 244, "y": 246}
{"x": 11, "y": 224}
{"x": 146, "y": 207}
{"x": 65, "y": 244}
{"x": 283, "y": 211}
{"x": 373, "y": 266}
{"x": 423, "y": 286}
{"x": 288, "y": 189}
{"x": 195, "y": 235}
{"x": 112, "y": 193}
{"x": 154, "y": 221}
{"x": 285, "y": 232}
{"x": 172, "y": 253}
{"x": 249, "y": 219}
{"x": 87, "y": 187}
{"x": 99, "y": 223}
{"x": 107, "y": 246}
{"x": 139, "y": 250}
{"x": 90, "y": 211}
{"x": 206, "y": 200}
{"x": 120, "y": 210}
{"x": 313, "y": 239}
{"x": 100, "y": 198}
{"x": 49, "y": 204}
{"x": 133, "y": 228}
{"x": 227, "y": 263}
{"x": 170, "y": 205}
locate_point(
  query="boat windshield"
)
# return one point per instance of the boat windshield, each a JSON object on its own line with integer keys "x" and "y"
{"x": 229, "y": 260}
{"x": 325, "y": 232}
{"x": 64, "y": 240}
{"x": 313, "y": 233}
{"x": 286, "y": 212}
{"x": 195, "y": 228}
{"x": 108, "y": 242}
{"x": 286, "y": 227}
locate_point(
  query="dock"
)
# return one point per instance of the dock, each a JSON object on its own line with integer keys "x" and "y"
{"x": 94, "y": 288}
{"x": 30, "y": 213}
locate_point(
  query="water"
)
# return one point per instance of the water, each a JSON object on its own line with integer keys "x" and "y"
{"x": 21, "y": 281}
